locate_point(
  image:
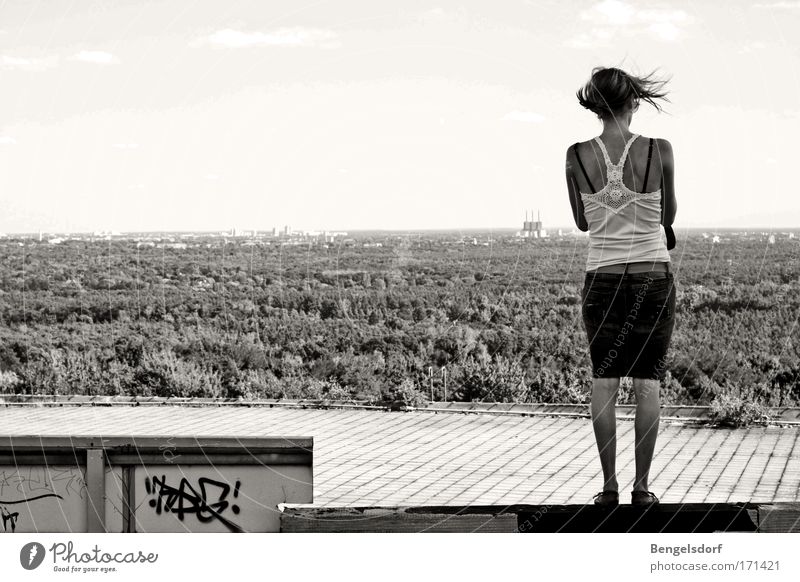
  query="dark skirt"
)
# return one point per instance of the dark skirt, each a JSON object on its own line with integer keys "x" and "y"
{"x": 628, "y": 320}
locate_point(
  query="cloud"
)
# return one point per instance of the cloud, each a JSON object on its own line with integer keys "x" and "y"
{"x": 525, "y": 116}
{"x": 6, "y": 140}
{"x": 96, "y": 57}
{"x": 285, "y": 37}
{"x": 24, "y": 64}
{"x": 615, "y": 12}
{"x": 614, "y": 17}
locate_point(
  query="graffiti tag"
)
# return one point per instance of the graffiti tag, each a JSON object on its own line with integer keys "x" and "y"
{"x": 208, "y": 501}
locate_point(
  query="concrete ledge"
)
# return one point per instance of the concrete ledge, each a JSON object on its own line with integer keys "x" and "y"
{"x": 306, "y": 519}
{"x": 686, "y": 414}
{"x": 664, "y": 518}
{"x": 778, "y": 517}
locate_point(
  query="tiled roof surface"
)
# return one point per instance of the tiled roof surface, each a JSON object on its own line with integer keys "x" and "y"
{"x": 369, "y": 457}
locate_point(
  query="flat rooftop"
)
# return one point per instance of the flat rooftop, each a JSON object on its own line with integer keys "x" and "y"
{"x": 381, "y": 458}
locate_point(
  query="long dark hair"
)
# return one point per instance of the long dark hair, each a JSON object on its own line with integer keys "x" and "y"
{"x": 611, "y": 89}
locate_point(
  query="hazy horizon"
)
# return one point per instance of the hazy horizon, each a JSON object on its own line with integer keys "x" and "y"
{"x": 551, "y": 230}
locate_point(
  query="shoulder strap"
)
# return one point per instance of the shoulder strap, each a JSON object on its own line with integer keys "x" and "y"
{"x": 580, "y": 163}
{"x": 624, "y": 155}
{"x": 647, "y": 170}
{"x": 605, "y": 151}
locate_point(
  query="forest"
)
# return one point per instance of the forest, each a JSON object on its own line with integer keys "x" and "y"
{"x": 410, "y": 320}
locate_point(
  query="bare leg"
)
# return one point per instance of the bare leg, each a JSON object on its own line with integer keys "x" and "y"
{"x": 645, "y": 428}
{"x": 604, "y": 421}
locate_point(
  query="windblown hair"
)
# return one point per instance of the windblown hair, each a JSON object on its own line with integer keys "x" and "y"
{"x": 610, "y": 90}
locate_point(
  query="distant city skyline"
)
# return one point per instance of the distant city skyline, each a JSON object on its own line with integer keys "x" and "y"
{"x": 244, "y": 233}
{"x": 185, "y": 115}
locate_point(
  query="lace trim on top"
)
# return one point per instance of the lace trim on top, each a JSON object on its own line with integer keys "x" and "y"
{"x": 615, "y": 195}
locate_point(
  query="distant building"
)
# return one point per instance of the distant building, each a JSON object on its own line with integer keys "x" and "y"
{"x": 532, "y": 228}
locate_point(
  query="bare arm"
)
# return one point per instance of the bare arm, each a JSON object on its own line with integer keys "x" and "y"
{"x": 668, "y": 200}
{"x": 574, "y": 196}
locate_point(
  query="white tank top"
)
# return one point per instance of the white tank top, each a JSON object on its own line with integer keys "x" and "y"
{"x": 624, "y": 226}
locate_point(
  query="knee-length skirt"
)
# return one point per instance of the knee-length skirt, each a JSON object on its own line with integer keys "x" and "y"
{"x": 629, "y": 320}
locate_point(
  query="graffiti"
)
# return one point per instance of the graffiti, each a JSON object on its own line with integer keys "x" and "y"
{"x": 29, "y": 499}
{"x": 25, "y": 485}
{"x": 69, "y": 480}
{"x": 9, "y": 518}
{"x": 186, "y": 499}
{"x": 72, "y": 479}
{"x": 168, "y": 449}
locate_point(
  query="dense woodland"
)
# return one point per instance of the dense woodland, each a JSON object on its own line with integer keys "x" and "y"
{"x": 493, "y": 323}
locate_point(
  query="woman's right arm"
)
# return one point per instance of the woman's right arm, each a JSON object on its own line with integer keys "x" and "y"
{"x": 669, "y": 203}
{"x": 574, "y": 195}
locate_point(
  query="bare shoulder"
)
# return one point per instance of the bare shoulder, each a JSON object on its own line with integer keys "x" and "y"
{"x": 663, "y": 144}
{"x": 581, "y": 146}
{"x": 570, "y": 155}
{"x": 664, "y": 149}
{"x": 571, "y": 150}
{"x": 572, "y": 159}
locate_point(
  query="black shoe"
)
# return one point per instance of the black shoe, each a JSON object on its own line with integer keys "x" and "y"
{"x": 607, "y": 498}
{"x": 643, "y": 499}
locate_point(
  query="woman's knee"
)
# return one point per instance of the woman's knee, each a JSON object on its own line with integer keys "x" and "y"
{"x": 606, "y": 386}
{"x": 645, "y": 388}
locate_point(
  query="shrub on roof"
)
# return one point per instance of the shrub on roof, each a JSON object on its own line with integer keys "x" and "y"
{"x": 407, "y": 394}
{"x": 727, "y": 410}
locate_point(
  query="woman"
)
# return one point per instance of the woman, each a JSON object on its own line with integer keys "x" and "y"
{"x": 628, "y": 300}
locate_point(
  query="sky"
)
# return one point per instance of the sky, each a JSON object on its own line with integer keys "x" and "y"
{"x": 139, "y": 115}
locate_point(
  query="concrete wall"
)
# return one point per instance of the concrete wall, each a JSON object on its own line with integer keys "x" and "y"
{"x": 216, "y": 499}
{"x": 63, "y": 484}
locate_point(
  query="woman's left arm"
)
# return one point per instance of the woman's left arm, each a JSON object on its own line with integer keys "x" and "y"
{"x": 574, "y": 196}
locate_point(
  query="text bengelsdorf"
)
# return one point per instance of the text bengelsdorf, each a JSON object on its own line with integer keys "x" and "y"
{"x": 687, "y": 549}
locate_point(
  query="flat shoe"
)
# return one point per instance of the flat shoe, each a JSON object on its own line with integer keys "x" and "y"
{"x": 643, "y": 498}
{"x": 607, "y": 498}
